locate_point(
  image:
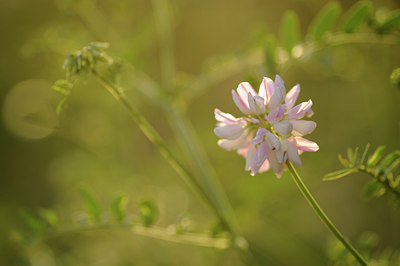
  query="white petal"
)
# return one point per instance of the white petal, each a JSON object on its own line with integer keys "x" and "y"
{"x": 293, "y": 154}
{"x": 276, "y": 99}
{"x": 245, "y": 148}
{"x": 265, "y": 167}
{"x": 244, "y": 89}
{"x": 230, "y": 145}
{"x": 279, "y": 84}
{"x": 241, "y": 103}
{"x": 256, "y": 104}
{"x": 224, "y": 117}
{"x": 283, "y": 128}
{"x": 259, "y": 158}
{"x": 267, "y": 89}
{"x": 273, "y": 141}
{"x": 276, "y": 114}
{"x": 249, "y": 157}
{"x": 291, "y": 96}
{"x": 303, "y": 127}
{"x": 230, "y": 132}
{"x": 306, "y": 145}
{"x": 275, "y": 165}
{"x": 300, "y": 110}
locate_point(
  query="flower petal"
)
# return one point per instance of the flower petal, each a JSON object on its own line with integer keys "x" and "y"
{"x": 235, "y": 144}
{"x": 291, "y": 96}
{"x": 279, "y": 84}
{"x": 276, "y": 99}
{"x": 300, "y": 110}
{"x": 275, "y": 165}
{"x": 276, "y": 114}
{"x": 245, "y": 148}
{"x": 259, "y": 158}
{"x": 256, "y": 104}
{"x": 283, "y": 128}
{"x": 224, "y": 117}
{"x": 249, "y": 157}
{"x": 265, "y": 167}
{"x": 302, "y": 127}
{"x": 241, "y": 103}
{"x": 267, "y": 89}
{"x": 273, "y": 141}
{"x": 292, "y": 153}
{"x": 230, "y": 132}
{"x": 306, "y": 145}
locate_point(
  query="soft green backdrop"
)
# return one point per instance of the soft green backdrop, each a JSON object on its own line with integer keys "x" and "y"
{"x": 44, "y": 159}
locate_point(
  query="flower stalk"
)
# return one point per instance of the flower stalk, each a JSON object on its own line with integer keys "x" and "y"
{"x": 236, "y": 240}
{"x": 313, "y": 203}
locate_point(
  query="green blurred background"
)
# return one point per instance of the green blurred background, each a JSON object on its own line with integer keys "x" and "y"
{"x": 46, "y": 158}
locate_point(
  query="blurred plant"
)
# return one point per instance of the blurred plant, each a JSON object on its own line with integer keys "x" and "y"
{"x": 80, "y": 64}
{"x": 383, "y": 169}
{"x": 367, "y": 243}
{"x": 395, "y": 78}
{"x": 272, "y": 56}
{"x": 278, "y": 141}
{"x": 44, "y": 225}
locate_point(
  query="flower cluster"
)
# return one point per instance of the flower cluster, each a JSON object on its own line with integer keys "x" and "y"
{"x": 272, "y": 130}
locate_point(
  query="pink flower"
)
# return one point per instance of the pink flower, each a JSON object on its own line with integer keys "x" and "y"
{"x": 271, "y": 133}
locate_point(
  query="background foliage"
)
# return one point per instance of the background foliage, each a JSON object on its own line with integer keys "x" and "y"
{"x": 92, "y": 156}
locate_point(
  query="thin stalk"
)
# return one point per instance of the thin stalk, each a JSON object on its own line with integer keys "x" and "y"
{"x": 155, "y": 138}
{"x": 162, "y": 16}
{"x": 238, "y": 241}
{"x": 156, "y": 232}
{"x": 313, "y": 203}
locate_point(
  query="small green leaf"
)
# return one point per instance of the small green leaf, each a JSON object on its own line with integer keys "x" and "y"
{"x": 217, "y": 229}
{"x": 392, "y": 166}
{"x": 351, "y": 156}
{"x": 338, "y": 174}
{"x": 344, "y": 161}
{"x": 359, "y": 13}
{"x": 356, "y": 156}
{"x": 148, "y": 212}
{"x": 92, "y": 208}
{"x": 376, "y": 156}
{"x": 394, "y": 181}
{"x": 373, "y": 189}
{"x": 100, "y": 45}
{"x": 395, "y": 78}
{"x": 49, "y": 216}
{"x": 387, "y": 161}
{"x": 324, "y": 20}
{"x": 118, "y": 207}
{"x": 32, "y": 222}
{"x": 61, "y": 105}
{"x": 364, "y": 153}
{"x": 391, "y": 22}
{"x": 289, "y": 32}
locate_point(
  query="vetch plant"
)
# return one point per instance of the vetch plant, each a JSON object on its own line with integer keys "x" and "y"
{"x": 271, "y": 136}
{"x": 272, "y": 132}
{"x": 384, "y": 170}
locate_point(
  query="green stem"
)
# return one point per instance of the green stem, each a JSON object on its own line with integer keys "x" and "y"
{"x": 237, "y": 241}
{"x": 306, "y": 193}
{"x": 156, "y": 232}
{"x": 155, "y": 138}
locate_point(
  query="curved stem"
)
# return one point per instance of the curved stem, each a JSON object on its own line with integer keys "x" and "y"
{"x": 155, "y": 138}
{"x": 313, "y": 203}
